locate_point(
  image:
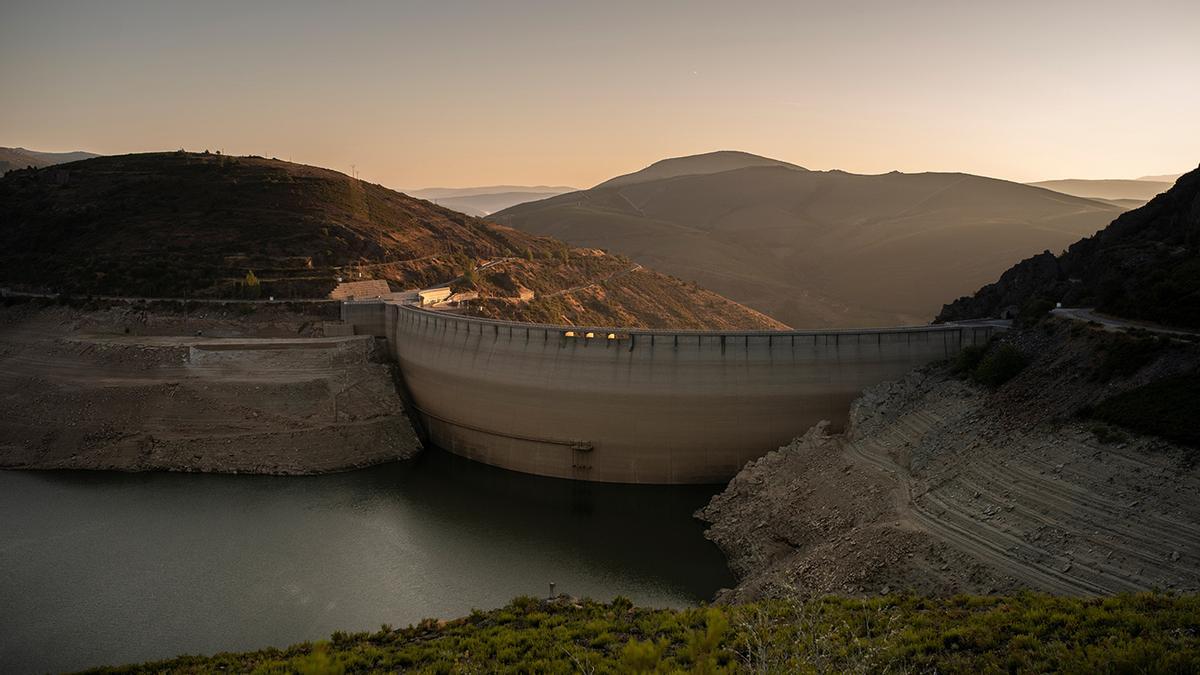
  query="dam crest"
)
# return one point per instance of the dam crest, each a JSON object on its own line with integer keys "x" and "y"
{"x": 633, "y": 405}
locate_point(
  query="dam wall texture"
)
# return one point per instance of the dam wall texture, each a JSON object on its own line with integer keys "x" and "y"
{"x": 635, "y": 405}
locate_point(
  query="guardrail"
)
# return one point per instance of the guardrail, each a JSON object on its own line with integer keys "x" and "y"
{"x": 629, "y": 331}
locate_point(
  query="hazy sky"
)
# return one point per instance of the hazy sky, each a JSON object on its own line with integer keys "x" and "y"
{"x": 496, "y": 91}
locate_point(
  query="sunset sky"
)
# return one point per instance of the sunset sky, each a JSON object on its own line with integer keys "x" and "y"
{"x": 418, "y": 94}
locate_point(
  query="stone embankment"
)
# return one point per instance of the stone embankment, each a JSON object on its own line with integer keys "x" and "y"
{"x": 941, "y": 485}
{"x": 130, "y": 390}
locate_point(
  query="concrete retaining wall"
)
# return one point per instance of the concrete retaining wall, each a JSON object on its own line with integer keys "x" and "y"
{"x": 366, "y": 317}
{"x": 647, "y": 406}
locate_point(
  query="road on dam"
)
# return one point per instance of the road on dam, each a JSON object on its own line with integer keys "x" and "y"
{"x": 635, "y": 405}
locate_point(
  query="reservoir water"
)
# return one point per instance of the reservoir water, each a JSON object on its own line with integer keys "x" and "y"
{"x": 100, "y": 568}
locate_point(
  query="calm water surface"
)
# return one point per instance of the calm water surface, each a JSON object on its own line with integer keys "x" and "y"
{"x": 106, "y": 568}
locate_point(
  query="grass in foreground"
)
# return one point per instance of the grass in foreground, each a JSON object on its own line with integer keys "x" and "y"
{"x": 1149, "y": 633}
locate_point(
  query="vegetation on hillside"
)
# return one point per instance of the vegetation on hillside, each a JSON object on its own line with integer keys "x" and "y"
{"x": 211, "y": 226}
{"x": 992, "y": 364}
{"x": 1024, "y": 633}
{"x": 1169, "y": 408}
{"x": 1145, "y": 265}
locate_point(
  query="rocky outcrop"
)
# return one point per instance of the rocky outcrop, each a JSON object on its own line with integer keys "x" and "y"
{"x": 1144, "y": 265}
{"x": 940, "y": 486}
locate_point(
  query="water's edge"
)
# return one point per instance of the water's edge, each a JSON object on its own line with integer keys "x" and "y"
{"x": 140, "y": 566}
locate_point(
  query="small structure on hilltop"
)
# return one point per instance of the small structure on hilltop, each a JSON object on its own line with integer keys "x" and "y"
{"x": 360, "y": 290}
{"x": 432, "y": 296}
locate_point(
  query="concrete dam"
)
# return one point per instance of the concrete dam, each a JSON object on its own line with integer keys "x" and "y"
{"x": 634, "y": 405}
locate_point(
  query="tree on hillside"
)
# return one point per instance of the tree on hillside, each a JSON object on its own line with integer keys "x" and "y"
{"x": 251, "y": 287}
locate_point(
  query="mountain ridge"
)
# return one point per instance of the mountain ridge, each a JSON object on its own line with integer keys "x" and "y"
{"x": 1144, "y": 265}
{"x": 1108, "y": 189}
{"x": 193, "y": 225}
{"x": 792, "y": 243}
{"x": 717, "y": 161}
{"x": 21, "y": 158}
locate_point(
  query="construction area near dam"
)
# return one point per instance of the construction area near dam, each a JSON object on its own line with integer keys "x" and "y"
{"x": 633, "y": 405}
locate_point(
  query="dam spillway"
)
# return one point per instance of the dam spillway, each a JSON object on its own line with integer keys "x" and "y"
{"x": 634, "y": 405}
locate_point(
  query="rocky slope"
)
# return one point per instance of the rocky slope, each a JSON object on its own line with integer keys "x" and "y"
{"x": 1144, "y": 265}
{"x": 194, "y": 225}
{"x": 943, "y": 485}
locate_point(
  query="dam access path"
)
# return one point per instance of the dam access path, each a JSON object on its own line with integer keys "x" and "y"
{"x": 634, "y": 405}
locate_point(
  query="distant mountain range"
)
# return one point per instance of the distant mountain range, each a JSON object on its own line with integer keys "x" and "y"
{"x": 482, "y": 201}
{"x": 1164, "y": 177}
{"x": 21, "y": 158}
{"x": 817, "y": 248}
{"x": 1130, "y": 193}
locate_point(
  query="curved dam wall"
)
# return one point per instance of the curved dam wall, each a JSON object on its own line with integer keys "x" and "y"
{"x": 633, "y": 405}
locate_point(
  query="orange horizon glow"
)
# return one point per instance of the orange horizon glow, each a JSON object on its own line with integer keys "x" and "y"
{"x": 460, "y": 94}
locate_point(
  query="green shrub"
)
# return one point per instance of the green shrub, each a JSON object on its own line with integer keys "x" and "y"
{"x": 965, "y": 634}
{"x": 1033, "y": 310}
{"x": 999, "y": 365}
{"x": 967, "y": 359}
{"x": 1122, "y": 355}
{"x": 1168, "y": 408}
{"x": 641, "y": 657}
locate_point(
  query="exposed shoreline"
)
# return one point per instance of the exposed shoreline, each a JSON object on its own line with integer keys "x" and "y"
{"x": 213, "y": 390}
{"x": 943, "y": 486}
{"x": 938, "y": 486}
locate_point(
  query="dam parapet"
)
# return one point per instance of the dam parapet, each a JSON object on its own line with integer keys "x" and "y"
{"x": 635, "y": 405}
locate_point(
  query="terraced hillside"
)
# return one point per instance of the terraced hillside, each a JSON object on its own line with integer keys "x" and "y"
{"x": 198, "y": 225}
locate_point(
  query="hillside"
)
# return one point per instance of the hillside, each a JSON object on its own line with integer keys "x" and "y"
{"x": 482, "y": 201}
{"x": 1113, "y": 190}
{"x": 696, "y": 165}
{"x": 193, "y": 225}
{"x": 1060, "y": 457}
{"x": 819, "y": 248}
{"x": 21, "y": 158}
{"x": 1163, "y": 177}
{"x": 1145, "y": 265}
{"x": 1027, "y": 633}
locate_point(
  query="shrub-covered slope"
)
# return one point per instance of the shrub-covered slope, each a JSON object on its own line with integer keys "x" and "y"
{"x": 1144, "y": 265}
{"x": 1024, "y": 633}
{"x": 193, "y": 225}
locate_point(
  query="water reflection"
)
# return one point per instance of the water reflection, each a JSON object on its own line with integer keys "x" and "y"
{"x": 108, "y": 567}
